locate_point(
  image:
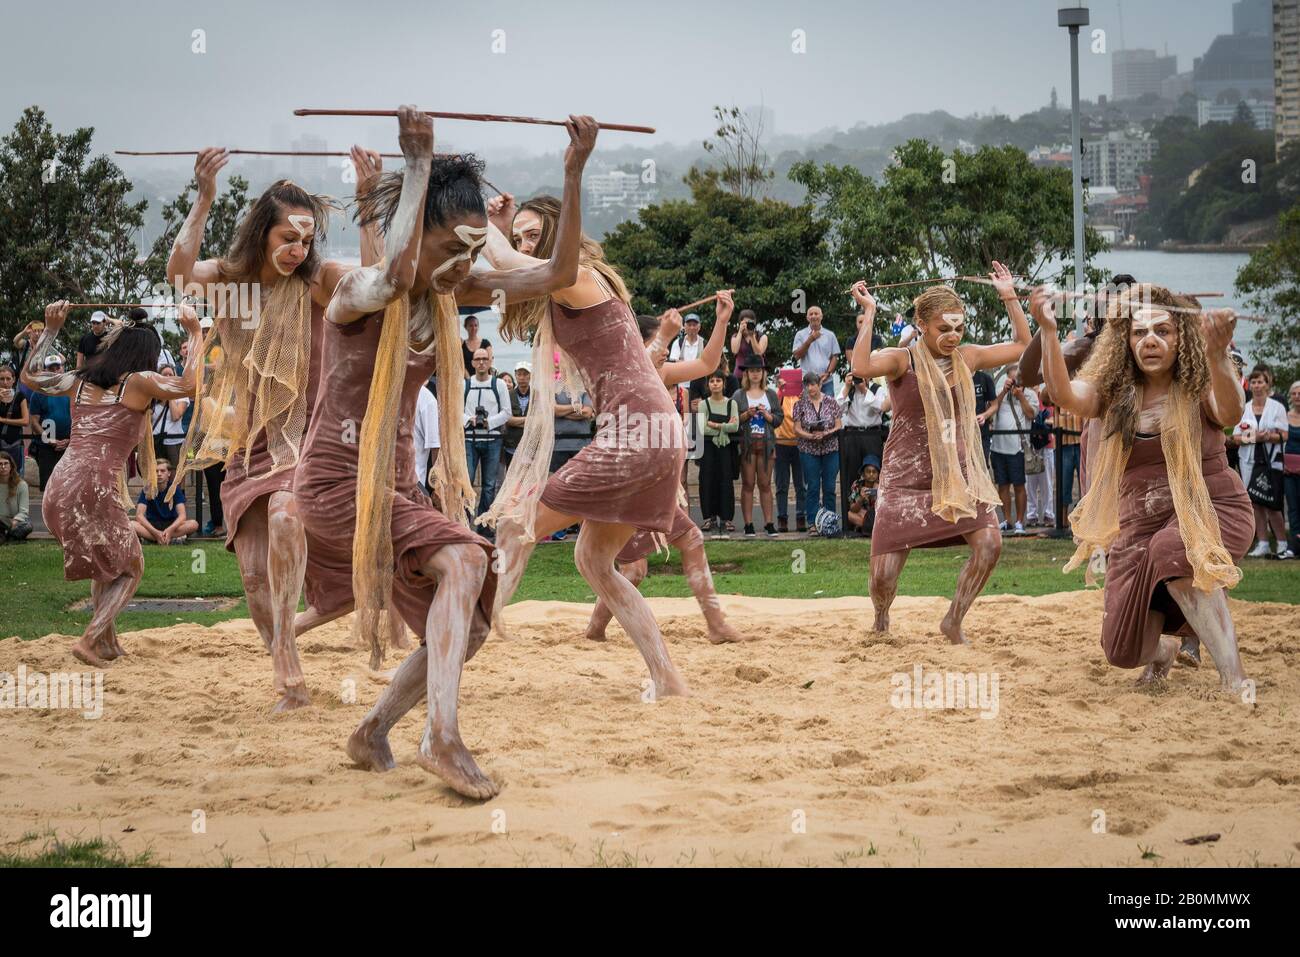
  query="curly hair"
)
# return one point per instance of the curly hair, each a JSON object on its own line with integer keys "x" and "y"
{"x": 1113, "y": 370}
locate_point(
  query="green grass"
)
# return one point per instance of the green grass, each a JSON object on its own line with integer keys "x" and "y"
{"x": 76, "y": 853}
{"x": 32, "y": 575}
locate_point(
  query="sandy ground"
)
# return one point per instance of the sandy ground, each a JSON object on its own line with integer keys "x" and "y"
{"x": 790, "y": 751}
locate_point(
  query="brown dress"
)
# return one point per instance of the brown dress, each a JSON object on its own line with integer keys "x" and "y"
{"x": 242, "y": 485}
{"x": 82, "y": 504}
{"x": 621, "y": 477}
{"x": 1149, "y": 550}
{"x": 642, "y": 543}
{"x": 903, "y": 516}
{"x": 326, "y": 481}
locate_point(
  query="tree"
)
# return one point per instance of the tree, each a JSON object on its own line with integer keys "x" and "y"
{"x": 737, "y": 142}
{"x": 1270, "y": 281}
{"x": 223, "y": 219}
{"x": 937, "y": 215}
{"x": 773, "y": 254}
{"x": 66, "y": 228}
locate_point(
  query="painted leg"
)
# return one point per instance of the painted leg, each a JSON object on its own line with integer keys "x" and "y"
{"x": 286, "y": 567}
{"x": 1209, "y": 615}
{"x": 695, "y": 564}
{"x": 597, "y": 546}
{"x": 368, "y": 745}
{"x": 251, "y": 548}
{"x": 305, "y": 621}
{"x": 512, "y": 554}
{"x": 885, "y": 570}
{"x": 1160, "y": 659}
{"x": 601, "y": 616}
{"x": 985, "y": 548}
{"x": 113, "y": 597}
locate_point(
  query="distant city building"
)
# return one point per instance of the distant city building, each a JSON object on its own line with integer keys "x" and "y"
{"x": 1047, "y": 156}
{"x": 1235, "y": 68}
{"x": 309, "y": 170}
{"x": 618, "y": 189}
{"x": 1286, "y": 67}
{"x": 1261, "y": 112}
{"x": 1135, "y": 73}
{"x": 1117, "y": 160}
{"x": 1176, "y": 86}
{"x": 1252, "y": 17}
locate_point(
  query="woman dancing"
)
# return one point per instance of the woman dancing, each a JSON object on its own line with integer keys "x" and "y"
{"x": 82, "y": 503}
{"x": 1162, "y": 499}
{"x": 935, "y": 487}
{"x": 658, "y": 333}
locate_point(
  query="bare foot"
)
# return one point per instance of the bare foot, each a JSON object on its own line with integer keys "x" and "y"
{"x": 672, "y": 686}
{"x": 292, "y": 699}
{"x": 725, "y": 632}
{"x": 881, "y": 624}
{"x": 1158, "y": 669}
{"x": 368, "y": 748}
{"x": 594, "y": 633}
{"x": 451, "y": 761}
{"x": 1190, "y": 653}
{"x": 88, "y": 654}
{"x": 952, "y": 631}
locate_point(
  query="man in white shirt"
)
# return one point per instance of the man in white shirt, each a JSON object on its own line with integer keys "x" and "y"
{"x": 689, "y": 345}
{"x": 862, "y": 434}
{"x": 425, "y": 433}
{"x": 1015, "y": 409}
{"x": 487, "y": 409}
{"x": 816, "y": 350}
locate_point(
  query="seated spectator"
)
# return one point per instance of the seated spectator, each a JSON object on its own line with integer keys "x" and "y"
{"x": 51, "y": 425}
{"x": 156, "y": 521}
{"x": 13, "y": 417}
{"x": 862, "y": 497}
{"x": 14, "y": 524}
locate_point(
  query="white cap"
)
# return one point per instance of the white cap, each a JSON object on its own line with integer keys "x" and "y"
{"x": 54, "y": 360}
{"x": 98, "y": 316}
{"x": 205, "y": 323}
{"x": 525, "y": 365}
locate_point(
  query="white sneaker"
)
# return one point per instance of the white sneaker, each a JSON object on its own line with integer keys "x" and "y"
{"x": 1020, "y": 528}
{"x": 1285, "y": 554}
{"x": 1002, "y": 526}
{"x": 1259, "y": 551}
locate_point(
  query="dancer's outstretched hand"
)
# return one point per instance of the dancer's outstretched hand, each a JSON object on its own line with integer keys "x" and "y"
{"x": 863, "y": 297}
{"x": 415, "y": 133}
{"x": 501, "y": 212}
{"x": 1218, "y": 326}
{"x": 1003, "y": 281}
{"x": 188, "y": 319}
{"x": 582, "y": 140}
{"x": 1042, "y": 306}
{"x": 367, "y": 164}
{"x": 724, "y": 305}
{"x": 670, "y": 324}
{"x": 56, "y": 314}
{"x": 207, "y": 165}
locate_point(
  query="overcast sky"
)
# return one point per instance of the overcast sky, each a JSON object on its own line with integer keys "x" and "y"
{"x": 127, "y": 68}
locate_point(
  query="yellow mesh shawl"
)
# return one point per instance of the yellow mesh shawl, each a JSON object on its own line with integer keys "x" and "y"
{"x": 1095, "y": 520}
{"x": 955, "y": 496}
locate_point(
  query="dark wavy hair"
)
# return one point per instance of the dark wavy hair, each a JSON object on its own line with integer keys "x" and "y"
{"x": 133, "y": 349}
{"x": 648, "y": 326}
{"x": 455, "y": 191}
{"x": 247, "y": 253}
{"x": 14, "y": 477}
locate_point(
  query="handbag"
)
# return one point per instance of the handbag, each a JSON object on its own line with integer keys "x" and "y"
{"x": 1291, "y": 463}
{"x": 1034, "y": 461}
{"x": 1265, "y": 486}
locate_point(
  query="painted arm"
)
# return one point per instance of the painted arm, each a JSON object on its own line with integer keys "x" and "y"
{"x": 864, "y": 363}
{"x": 368, "y": 289}
{"x": 183, "y": 386}
{"x": 34, "y": 374}
{"x": 1224, "y": 402}
{"x": 183, "y": 265}
{"x": 368, "y": 165}
{"x": 711, "y": 355}
{"x": 1075, "y": 396}
{"x": 1002, "y": 353}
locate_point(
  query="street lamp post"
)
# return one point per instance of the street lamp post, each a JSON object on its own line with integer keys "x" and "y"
{"x": 1074, "y": 14}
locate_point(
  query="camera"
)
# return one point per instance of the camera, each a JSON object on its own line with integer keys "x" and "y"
{"x": 480, "y": 417}
{"x": 751, "y": 325}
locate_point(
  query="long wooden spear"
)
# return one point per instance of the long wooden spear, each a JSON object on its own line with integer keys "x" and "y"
{"x": 476, "y": 117}
{"x": 242, "y": 153}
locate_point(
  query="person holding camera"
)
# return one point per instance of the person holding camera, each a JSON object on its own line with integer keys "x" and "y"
{"x": 487, "y": 409}
{"x": 1014, "y": 411}
{"x": 760, "y": 416}
{"x": 747, "y": 341}
{"x": 863, "y": 435}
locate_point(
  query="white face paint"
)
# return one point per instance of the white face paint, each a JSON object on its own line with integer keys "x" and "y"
{"x": 1152, "y": 337}
{"x": 303, "y": 224}
{"x": 473, "y": 237}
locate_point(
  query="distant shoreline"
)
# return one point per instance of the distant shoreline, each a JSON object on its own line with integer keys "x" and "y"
{"x": 1232, "y": 248}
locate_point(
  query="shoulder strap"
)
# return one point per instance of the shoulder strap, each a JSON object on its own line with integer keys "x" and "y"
{"x": 121, "y": 387}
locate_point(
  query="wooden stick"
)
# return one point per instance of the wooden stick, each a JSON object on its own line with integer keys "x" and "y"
{"x": 912, "y": 282}
{"x": 476, "y": 117}
{"x": 700, "y": 302}
{"x": 120, "y": 305}
{"x": 241, "y": 153}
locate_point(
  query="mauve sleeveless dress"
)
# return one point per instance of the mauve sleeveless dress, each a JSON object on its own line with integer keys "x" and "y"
{"x": 903, "y": 516}
{"x": 326, "y": 481}
{"x": 81, "y": 504}
{"x": 1149, "y": 550}
{"x": 244, "y": 486}
{"x": 610, "y": 480}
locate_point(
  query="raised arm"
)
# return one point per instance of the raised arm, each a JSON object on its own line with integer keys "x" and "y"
{"x": 1075, "y": 396}
{"x": 368, "y": 166}
{"x": 711, "y": 355}
{"x": 558, "y": 276}
{"x": 368, "y": 289}
{"x": 183, "y": 265}
{"x": 1002, "y": 353}
{"x": 34, "y": 375}
{"x": 168, "y": 387}
{"x": 1224, "y": 402}
{"x": 890, "y": 363}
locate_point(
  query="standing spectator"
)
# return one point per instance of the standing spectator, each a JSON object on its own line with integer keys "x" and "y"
{"x": 816, "y": 424}
{"x": 1068, "y": 450}
{"x": 861, "y": 513}
{"x": 89, "y": 343}
{"x": 159, "y": 521}
{"x": 14, "y": 522}
{"x": 788, "y": 466}
{"x": 689, "y": 344}
{"x": 817, "y": 350}
{"x": 51, "y": 425}
{"x": 424, "y": 435}
{"x": 719, "y": 422}
{"x": 863, "y": 432}
{"x": 572, "y": 427}
{"x": 747, "y": 341}
{"x": 1040, "y": 501}
{"x": 1291, "y": 467}
{"x": 985, "y": 393}
{"x": 23, "y": 342}
{"x": 1259, "y": 437}
{"x": 760, "y": 414}
{"x": 14, "y": 416}
{"x": 473, "y": 342}
{"x": 487, "y": 409}
{"x": 521, "y": 397}
{"x": 169, "y": 425}
{"x": 1014, "y": 408}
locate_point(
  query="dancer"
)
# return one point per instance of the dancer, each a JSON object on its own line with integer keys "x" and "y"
{"x": 935, "y": 487}
{"x": 82, "y": 503}
{"x": 372, "y": 539}
{"x": 627, "y": 478}
{"x": 685, "y": 536}
{"x": 1162, "y": 501}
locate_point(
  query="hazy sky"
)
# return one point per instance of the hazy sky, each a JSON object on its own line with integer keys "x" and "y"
{"x": 127, "y": 68}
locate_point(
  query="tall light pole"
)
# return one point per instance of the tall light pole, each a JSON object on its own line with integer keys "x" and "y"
{"x": 1074, "y": 14}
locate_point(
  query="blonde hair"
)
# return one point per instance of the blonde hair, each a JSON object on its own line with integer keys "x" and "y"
{"x": 937, "y": 302}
